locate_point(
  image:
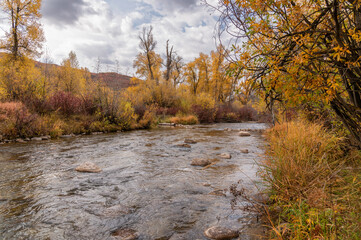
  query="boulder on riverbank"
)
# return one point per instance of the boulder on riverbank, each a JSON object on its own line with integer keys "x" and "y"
{"x": 244, "y": 134}
{"x": 88, "y": 167}
{"x": 220, "y": 233}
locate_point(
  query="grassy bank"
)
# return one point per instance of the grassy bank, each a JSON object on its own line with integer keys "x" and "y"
{"x": 314, "y": 180}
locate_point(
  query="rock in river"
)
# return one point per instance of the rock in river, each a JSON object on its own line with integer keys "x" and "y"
{"x": 244, "y": 151}
{"x": 190, "y": 141}
{"x": 225, "y": 156}
{"x": 220, "y": 233}
{"x": 116, "y": 211}
{"x": 184, "y": 145}
{"x": 201, "y": 162}
{"x": 244, "y": 134}
{"x": 88, "y": 167}
{"x": 125, "y": 234}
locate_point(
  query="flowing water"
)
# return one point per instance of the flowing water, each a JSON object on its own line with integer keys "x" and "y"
{"x": 147, "y": 184}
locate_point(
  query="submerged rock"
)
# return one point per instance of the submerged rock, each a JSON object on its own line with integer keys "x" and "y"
{"x": 116, "y": 211}
{"x": 88, "y": 167}
{"x": 220, "y": 233}
{"x": 184, "y": 145}
{"x": 244, "y": 134}
{"x": 225, "y": 156}
{"x": 190, "y": 141}
{"x": 218, "y": 193}
{"x": 178, "y": 236}
{"x": 201, "y": 162}
{"x": 125, "y": 234}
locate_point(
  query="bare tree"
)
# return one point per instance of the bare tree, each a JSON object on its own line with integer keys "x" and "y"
{"x": 178, "y": 65}
{"x": 169, "y": 62}
{"x": 147, "y": 45}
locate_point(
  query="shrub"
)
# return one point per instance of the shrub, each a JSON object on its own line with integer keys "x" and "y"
{"x": 205, "y": 108}
{"x": 148, "y": 120}
{"x": 126, "y": 116}
{"x": 66, "y": 103}
{"x": 17, "y": 121}
{"x": 247, "y": 113}
{"x": 185, "y": 120}
{"x": 57, "y": 129}
{"x": 89, "y": 106}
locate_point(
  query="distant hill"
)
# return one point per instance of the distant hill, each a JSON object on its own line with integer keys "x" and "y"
{"x": 112, "y": 80}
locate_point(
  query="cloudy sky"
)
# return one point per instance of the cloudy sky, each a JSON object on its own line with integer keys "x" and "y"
{"x": 109, "y": 29}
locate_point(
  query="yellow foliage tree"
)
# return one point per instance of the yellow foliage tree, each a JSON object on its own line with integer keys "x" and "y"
{"x": 25, "y": 35}
{"x": 71, "y": 78}
{"x": 301, "y": 51}
{"x": 19, "y": 79}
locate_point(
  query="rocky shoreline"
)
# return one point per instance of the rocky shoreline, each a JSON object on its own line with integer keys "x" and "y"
{"x": 242, "y": 132}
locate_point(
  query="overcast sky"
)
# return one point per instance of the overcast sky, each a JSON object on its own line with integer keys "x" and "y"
{"x": 109, "y": 29}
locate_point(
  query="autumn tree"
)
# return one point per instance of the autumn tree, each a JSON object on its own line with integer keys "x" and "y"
{"x": 193, "y": 76}
{"x": 25, "y": 35}
{"x": 301, "y": 51}
{"x": 204, "y": 64}
{"x": 148, "y": 63}
{"x": 71, "y": 78}
{"x": 177, "y": 73}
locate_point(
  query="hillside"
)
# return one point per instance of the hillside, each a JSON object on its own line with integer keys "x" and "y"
{"x": 112, "y": 80}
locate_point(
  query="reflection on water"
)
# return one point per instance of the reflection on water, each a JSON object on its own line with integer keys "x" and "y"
{"x": 147, "y": 184}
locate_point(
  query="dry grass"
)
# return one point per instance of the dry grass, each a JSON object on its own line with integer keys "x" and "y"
{"x": 185, "y": 120}
{"x": 315, "y": 183}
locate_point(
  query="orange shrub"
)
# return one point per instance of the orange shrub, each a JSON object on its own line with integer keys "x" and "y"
{"x": 185, "y": 120}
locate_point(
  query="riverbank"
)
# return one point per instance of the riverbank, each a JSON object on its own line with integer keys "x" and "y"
{"x": 314, "y": 180}
{"x": 18, "y": 123}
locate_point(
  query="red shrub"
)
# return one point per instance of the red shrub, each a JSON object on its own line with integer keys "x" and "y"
{"x": 17, "y": 121}
{"x": 228, "y": 113}
{"x": 88, "y": 105}
{"x": 205, "y": 115}
{"x": 66, "y": 103}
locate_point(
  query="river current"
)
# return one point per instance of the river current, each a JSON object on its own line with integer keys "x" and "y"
{"x": 147, "y": 184}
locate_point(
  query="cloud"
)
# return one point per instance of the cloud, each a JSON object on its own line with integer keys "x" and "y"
{"x": 109, "y": 29}
{"x": 68, "y": 12}
{"x": 169, "y": 6}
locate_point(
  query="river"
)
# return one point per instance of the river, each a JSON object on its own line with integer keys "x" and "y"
{"x": 147, "y": 184}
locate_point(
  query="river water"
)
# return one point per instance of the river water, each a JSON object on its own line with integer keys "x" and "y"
{"x": 147, "y": 184}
